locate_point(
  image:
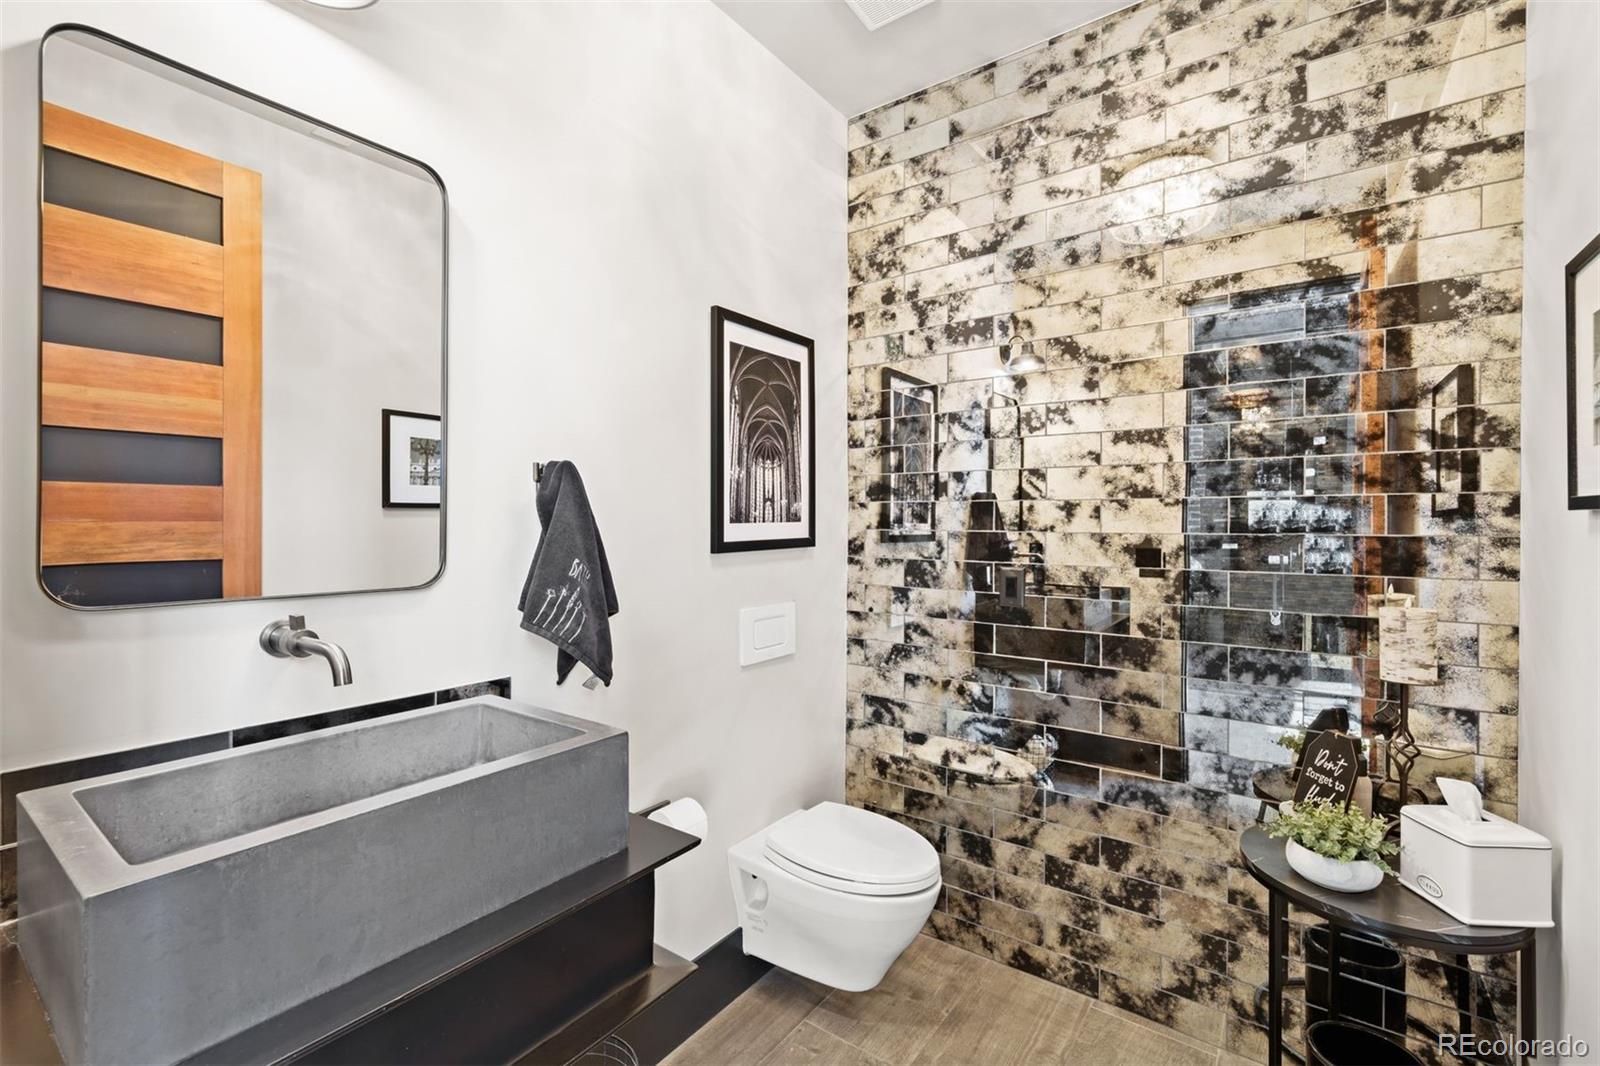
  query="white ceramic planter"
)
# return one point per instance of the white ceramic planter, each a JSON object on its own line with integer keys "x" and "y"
{"x": 1359, "y": 876}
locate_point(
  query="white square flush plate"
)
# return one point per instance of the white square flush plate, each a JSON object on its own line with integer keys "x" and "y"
{"x": 766, "y": 633}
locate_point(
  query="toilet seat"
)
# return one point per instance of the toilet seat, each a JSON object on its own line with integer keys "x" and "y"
{"x": 852, "y": 888}
{"x": 854, "y": 851}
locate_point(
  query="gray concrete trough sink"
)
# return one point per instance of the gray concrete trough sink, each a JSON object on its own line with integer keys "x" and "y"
{"x": 167, "y": 908}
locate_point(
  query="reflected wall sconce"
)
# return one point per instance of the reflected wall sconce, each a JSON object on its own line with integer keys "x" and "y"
{"x": 1020, "y": 358}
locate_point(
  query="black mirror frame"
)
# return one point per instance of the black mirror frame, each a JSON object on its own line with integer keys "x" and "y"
{"x": 444, "y": 313}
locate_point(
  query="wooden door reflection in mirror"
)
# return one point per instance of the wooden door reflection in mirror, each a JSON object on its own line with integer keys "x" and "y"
{"x": 150, "y": 368}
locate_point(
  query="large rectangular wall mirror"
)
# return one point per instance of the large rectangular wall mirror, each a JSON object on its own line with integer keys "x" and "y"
{"x": 235, "y": 303}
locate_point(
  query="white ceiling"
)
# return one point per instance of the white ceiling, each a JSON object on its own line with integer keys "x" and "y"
{"x": 856, "y": 70}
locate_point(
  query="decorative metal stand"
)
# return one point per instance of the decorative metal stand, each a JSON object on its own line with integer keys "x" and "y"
{"x": 1394, "y": 718}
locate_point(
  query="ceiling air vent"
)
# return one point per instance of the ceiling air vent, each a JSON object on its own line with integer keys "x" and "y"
{"x": 876, "y": 14}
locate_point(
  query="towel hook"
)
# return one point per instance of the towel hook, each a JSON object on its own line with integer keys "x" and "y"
{"x": 538, "y": 473}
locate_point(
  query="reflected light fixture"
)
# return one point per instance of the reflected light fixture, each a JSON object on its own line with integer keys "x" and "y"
{"x": 342, "y": 5}
{"x": 1020, "y": 358}
{"x": 1187, "y": 175}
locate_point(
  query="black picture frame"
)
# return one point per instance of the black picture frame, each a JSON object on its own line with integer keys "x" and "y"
{"x": 389, "y": 502}
{"x": 721, "y": 318}
{"x": 1452, "y": 430}
{"x": 1577, "y": 501}
{"x": 895, "y": 449}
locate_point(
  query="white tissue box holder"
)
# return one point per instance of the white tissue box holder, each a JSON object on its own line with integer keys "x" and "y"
{"x": 1491, "y": 872}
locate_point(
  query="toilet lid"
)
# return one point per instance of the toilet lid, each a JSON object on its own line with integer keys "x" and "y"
{"x": 849, "y": 844}
{"x": 850, "y": 888}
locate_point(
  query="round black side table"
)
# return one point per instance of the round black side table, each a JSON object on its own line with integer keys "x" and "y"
{"x": 1391, "y": 910}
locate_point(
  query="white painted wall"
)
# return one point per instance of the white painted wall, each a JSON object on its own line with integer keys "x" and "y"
{"x": 1560, "y": 795}
{"x": 614, "y": 169}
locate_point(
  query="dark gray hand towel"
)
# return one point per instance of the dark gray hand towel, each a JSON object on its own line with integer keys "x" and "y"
{"x": 568, "y": 596}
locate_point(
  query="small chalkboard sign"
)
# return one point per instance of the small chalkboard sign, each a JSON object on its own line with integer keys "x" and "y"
{"x": 1329, "y": 766}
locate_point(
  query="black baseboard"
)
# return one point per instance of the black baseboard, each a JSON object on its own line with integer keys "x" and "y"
{"x": 722, "y": 973}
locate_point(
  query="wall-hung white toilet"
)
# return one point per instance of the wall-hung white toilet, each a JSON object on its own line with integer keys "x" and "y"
{"x": 833, "y": 893}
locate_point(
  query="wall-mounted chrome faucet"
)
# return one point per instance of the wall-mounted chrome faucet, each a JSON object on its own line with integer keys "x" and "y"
{"x": 289, "y": 638}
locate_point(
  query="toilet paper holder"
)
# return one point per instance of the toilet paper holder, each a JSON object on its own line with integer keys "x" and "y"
{"x": 684, "y": 814}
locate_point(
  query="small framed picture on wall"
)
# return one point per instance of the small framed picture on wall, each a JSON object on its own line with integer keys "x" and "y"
{"x": 413, "y": 459}
{"x": 1451, "y": 422}
{"x": 909, "y": 409}
{"x": 1583, "y": 379}
{"x": 763, "y": 449}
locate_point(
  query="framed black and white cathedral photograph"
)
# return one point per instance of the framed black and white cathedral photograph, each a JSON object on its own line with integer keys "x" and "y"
{"x": 1583, "y": 379}
{"x": 763, "y": 450}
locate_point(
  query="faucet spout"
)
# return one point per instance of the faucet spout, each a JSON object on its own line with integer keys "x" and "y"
{"x": 338, "y": 661}
{"x": 289, "y": 638}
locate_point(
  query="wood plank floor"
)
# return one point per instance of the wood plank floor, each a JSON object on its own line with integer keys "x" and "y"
{"x": 938, "y": 1006}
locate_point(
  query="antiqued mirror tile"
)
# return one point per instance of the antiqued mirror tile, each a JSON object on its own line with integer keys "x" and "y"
{"x": 1429, "y": 46}
{"x": 1461, "y": 79}
{"x": 1202, "y": 414}
{"x": 944, "y": 100}
{"x": 1481, "y": 163}
{"x": 1306, "y": 43}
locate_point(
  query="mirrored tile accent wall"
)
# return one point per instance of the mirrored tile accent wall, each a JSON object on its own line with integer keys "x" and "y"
{"x": 1174, "y": 341}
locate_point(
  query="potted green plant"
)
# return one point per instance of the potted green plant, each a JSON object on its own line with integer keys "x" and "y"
{"x": 1333, "y": 847}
